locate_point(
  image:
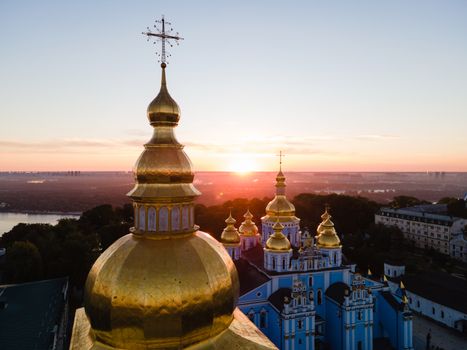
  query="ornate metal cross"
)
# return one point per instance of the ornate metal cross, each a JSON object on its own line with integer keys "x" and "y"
{"x": 163, "y": 35}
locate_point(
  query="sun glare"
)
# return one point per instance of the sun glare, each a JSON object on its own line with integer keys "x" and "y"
{"x": 242, "y": 165}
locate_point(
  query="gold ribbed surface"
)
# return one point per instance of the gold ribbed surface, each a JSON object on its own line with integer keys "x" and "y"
{"x": 278, "y": 241}
{"x": 248, "y": 227}
{"x": 161, "y": 293}
{"x": 326, "y": 233}
{"x": 230, "y": 234}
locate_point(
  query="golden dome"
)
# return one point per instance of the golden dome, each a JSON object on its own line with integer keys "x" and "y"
{"x": 280, "y": 205}
{"x": 161, "y": 293}
{"x": 327, "y": 235}
{"x": 230, "y": 234}
{"x": 324, "y": 217}
{"x": 248, "y": 227}
{"x": 163, "y": 110}
{"x": 277, "y": 241}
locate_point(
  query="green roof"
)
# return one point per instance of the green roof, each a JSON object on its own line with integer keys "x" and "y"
{"x": 29, "y": 313}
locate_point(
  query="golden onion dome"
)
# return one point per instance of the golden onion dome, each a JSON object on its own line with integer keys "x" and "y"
{"x": 248, "y": 227}
{"x": 230, "y": 234}
{"x": 324, "y": 217}
{"x": 161, "y": 293}
{"x": 278, "y": 241}
{"x": 327, "y": 235}
{"x": 280, "y": 205}
{"x": 163, "y": 110}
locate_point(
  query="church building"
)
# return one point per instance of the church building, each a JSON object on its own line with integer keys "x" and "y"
{"x": 301, "y": 293}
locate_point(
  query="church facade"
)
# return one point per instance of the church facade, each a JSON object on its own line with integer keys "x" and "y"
{"x": 298, "y": 290}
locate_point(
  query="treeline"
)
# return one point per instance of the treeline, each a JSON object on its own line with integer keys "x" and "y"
{"x": 40, "y": 251}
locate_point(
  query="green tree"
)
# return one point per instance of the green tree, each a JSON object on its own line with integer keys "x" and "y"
{"x": 406, "y": 201}
{"x": 23, "y": 263}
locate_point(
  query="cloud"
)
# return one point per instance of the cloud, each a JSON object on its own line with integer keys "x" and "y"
{"x": 258, "y": 146}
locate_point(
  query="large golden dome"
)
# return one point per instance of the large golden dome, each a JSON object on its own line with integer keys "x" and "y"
{"x": 161, "y": 293}
{"x": 230, "y": 234}
{"x": 248, "y": 227}
{"x": 327, "y": 236}
{"x": 278, "y": 241}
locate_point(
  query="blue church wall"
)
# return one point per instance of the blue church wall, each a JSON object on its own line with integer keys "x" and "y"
{"x": 336, "y": 276}
{"x": 258, "y": 294}
{"x": 274, "y": 331}
{"x": 334, "y": 325}
{"x": 387, "y": 320}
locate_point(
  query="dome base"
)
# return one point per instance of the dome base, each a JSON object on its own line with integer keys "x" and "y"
{"x": 241, "y": 334}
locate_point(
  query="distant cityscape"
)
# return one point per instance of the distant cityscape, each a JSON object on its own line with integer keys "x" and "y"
{"x": 76, "y": 191}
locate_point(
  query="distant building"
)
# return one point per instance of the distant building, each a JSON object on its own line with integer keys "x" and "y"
{"x": 426, "y": 230}
{"x": 301, "y": 293}
{"x": 436, "y": 295}
{"x": 34, "y": 315}
{"x": 459, "y": 247}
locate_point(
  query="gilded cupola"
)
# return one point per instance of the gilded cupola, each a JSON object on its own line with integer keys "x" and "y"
{"x": 326, "y": 233}
{"x": 248, "y": 227}
{"x": 278, "y": 241}
{"x": 163, "y": 110}
{"x": 230, "y": 234}
{"x": 280, "y": 205}
{"x": 163, "y": 172}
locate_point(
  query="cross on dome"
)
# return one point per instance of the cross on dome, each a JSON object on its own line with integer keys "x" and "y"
{"x": 164, "y": 36}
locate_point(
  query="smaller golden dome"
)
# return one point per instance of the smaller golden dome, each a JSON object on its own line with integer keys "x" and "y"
{"x": 163, "y": 110}
{"x": 324, "y": 216}
{"x": 248, "y": 227}
{"x": 327, "y": 235}
{"x": 277, "y": 241}
{"x": 230, "y": 234}
{"x": 280, "y": 205}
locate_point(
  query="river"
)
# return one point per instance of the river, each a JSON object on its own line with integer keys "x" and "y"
{"x": 9, "y": 220}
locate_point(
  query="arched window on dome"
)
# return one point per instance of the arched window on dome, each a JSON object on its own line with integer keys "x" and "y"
{"x": 185, "y": 214}
{"x": 151, "y": 219}
{"x": 319, "y": 297}
{"x": 273, "y": 263}
{"x": 283, "y": 264}
{"x": 163, "y": 219}
{"x": 175, "y": 218}
{"x": 142, "y": 218}
{"x": 192, "y": 215}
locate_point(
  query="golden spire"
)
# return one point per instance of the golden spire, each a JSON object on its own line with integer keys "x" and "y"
{"x": 385, "y": 279}
{"x": 277, "y": 241}
{"x": 401, "y": 285}
{"x": 163, "y": 174}
{"x": 248, "y": 227}
{"x": 324, "y": 217}
{"x": 369, "y": 272}
{"x": 230, "y": 234}
{"x": 280, "y": 205}
{"x": 327, "y": 235}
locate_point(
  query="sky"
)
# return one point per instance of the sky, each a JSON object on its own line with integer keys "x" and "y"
{"x": 336, "y": 85}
